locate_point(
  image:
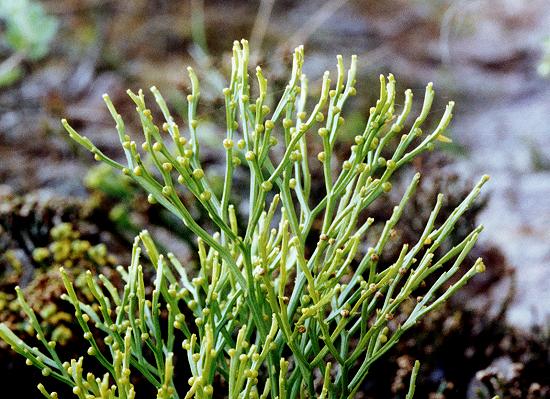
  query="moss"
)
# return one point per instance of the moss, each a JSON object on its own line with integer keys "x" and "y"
{"x": 38, "y": 242}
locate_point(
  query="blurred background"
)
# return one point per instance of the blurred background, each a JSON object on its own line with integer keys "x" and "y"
{"x": 57, "y": 57}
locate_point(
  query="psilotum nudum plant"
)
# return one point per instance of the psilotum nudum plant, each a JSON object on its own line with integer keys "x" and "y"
{"x": 264, "y": 315}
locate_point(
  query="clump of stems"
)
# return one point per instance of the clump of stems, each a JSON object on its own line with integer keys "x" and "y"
{"x": 270, "y": 317}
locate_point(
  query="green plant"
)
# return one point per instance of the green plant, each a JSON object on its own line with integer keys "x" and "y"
{"x": 29, "y": 32}
{"x": 268, "y": 314}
